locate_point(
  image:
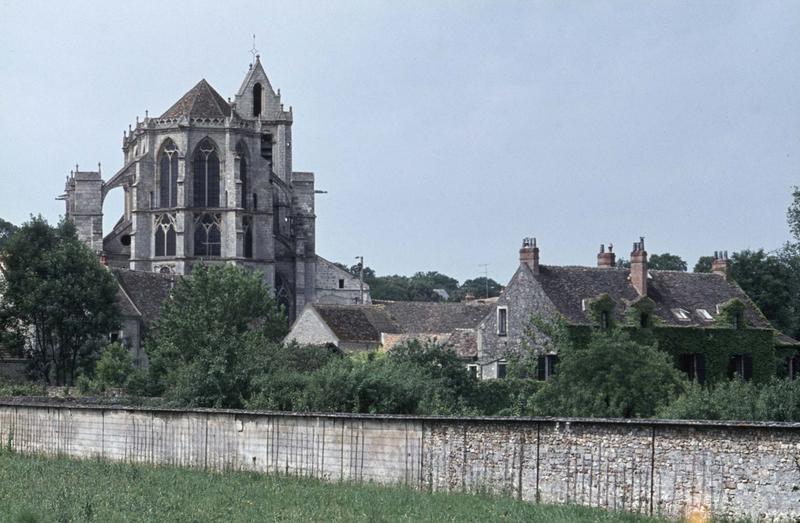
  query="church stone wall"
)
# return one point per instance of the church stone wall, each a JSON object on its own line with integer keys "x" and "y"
{"x": 673, "y": 469}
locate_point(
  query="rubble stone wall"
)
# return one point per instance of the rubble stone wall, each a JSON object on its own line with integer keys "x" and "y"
{"x": 655, "y": 467}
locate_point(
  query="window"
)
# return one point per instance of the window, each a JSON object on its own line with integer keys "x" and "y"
{"x": 243, "y": 178}
{"x": 256, "y": 99}
{"x": 206, "y": 175}
{"x": 681, "y": 314}
{"x": 705, "y": 315}
{"x": 266, "y": 147}
{"x": 694, "y": 365}
{"x": 546, "y": 366}
{"x": 794, "y": 367}
{"x": 502, "y": 321}
{"x": 247, "y": 225}
{"x": 473, "y": 371}
{"x": 165, "y": 235}
{"x": 605, "y": 320}
{"x": 502, "y": 370}
{"x": 644, "y": 320}
{"x": 168, "y": 176}
{"x": 741, "y": 366}
{"x": 207, "y": 237}
{"x": 737, "y": 320}
{"x": 255, "y": 202}
{"x": 341, "y": 283}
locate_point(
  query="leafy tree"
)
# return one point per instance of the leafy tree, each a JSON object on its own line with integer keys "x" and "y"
{"x": 793, "y": 214}
{"x": 114, "y": 366}
{"x": 58, "y": 297}
{"x": 7, "y": 229}
{"x": 623, "y": 263}
{"x": 478, "y": 287}
{"x": 703, "y": 264}
{"x": 213, "y": 335}
{"x": 612, "y": 376}
{"x": 666, "y": 262}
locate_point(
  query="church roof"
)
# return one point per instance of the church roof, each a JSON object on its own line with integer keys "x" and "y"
{"x": 201, "y": 101}
{"x": 142, "y": 292}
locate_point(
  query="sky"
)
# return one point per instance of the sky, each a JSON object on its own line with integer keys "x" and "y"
{"x": 443, "y": 132}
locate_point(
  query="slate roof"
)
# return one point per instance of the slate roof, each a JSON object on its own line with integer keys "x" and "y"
{"x": 147, "y": 292}
{"x": 201, "y": 101}
{"x": 568, "y": 286}
{"x": 366, "y": 322}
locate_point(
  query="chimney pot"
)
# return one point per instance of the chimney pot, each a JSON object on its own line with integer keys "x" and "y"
{"x": 529, "y": 254}
{"x": 720, "y": 265}
{"x": 638, "y": 272}
{"x": 606, "y": 260}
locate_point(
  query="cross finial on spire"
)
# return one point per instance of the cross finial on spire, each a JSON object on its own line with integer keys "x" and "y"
{"x": 254, "y": 51}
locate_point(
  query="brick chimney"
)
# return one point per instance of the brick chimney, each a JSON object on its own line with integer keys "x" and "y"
{"x": 720, "y": 264}
{"x": 606, "y": 260}
{"x": 529, "y": 254}
{"x": 639, "y": 267}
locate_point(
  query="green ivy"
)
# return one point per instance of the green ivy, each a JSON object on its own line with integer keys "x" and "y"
{"x": 730, "y": 313}
{"x": 599, "y": 305}
{"x": 639, "y": 307}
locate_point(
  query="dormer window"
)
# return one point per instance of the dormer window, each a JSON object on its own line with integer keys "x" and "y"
{"x": 605, "y": 320}
{"x": 681, "y": 314}
{"x": 705, "y": 315}
{"x": 257, "y": 100}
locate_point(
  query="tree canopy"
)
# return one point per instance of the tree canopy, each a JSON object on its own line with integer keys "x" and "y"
{"x": 7, "y": 229}
{"x": 58, "y": 297}
{"x": 666, "y": 262}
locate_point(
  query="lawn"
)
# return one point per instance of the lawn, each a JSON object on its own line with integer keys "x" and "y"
{"x": 59, "y": 489}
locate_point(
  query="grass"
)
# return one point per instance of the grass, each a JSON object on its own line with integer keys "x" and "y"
{"x": 34, "y": 489}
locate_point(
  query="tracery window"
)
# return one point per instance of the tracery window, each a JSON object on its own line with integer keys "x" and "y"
{"x": 207, "y": 235}
{"x": 247, "y": 225}
{"x": 205, "y": 169}
{"x": 168, "y": 175}
{"x": 165, "y": 235}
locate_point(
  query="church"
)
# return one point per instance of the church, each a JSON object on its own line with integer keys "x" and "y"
{"x": 211, "y": 181}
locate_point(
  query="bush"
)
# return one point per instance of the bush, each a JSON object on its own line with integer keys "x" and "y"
{"x": 114, "y": 366}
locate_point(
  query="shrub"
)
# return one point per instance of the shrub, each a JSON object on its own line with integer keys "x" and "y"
{"x": 114, "y": 366}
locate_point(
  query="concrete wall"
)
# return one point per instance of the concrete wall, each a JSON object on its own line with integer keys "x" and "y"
{"x": 669, "y": 468}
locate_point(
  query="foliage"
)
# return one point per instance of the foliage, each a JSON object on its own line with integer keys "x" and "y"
{"x": 776, "y": 400}
{"x": 20, "y": 389}
{"x": 7, "y": 229}
{"x": 793, "y": 214}
{"x": 666, "y": 262}
{"x": 611, "y": 376}
{"x": 100, "y": 491}
{"x": 114, "y": 366}
{"x": 213, "y": 335}
{"x": 480, "y": 287}
{"x": 58, "y": 296}
{"x": 703, "y": 264}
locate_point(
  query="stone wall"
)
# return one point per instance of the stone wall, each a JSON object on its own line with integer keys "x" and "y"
{"x": 738, "y": 470}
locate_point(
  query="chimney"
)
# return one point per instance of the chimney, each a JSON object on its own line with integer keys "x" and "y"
{"x": 639, "y": 267}
{"x": 606, "y": 260}
{"x": 103, "y": 260}
{"x": 469, "y": 297}
{"x": 720, "y": 264}
{"x": 529, "y": 254}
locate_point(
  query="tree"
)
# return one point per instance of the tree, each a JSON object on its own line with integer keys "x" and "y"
{"x": 666, "y": 262}
{"x": 7, "y": 229}
{"x": 58, "y": 296}
{"x": 793, "y": 214}
{"x": 703, "y": 264}
{"x": 213, "y": 335}
{"x": 612, "y": 376}
{"x": 478, "y": 288}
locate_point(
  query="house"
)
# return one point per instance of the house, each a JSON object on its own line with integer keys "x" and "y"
{"x": 384, "y": 324}
{"x": 704, "y": 320}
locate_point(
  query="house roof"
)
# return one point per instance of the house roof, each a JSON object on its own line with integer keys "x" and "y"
{"x": 142, "y": 293}
{"x": 201, "y": 101}
{"x": 567, "y": 287}
{"x": 368, "y": 322}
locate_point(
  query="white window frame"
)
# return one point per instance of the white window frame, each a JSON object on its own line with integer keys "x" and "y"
{"x": 705, "y": 315}
{"x": 476, "y": 368}
{"x": 681, "y": 314}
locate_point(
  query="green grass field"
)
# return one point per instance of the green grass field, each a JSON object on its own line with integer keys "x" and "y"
{"x": 36, "y": 489}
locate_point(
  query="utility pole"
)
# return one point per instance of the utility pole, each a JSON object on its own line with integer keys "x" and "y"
{"x": 485, "y": 277}
{"x": 360, "y": 278}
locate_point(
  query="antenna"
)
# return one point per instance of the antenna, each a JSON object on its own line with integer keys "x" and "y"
{"x": 485, "y": 276}
{"x": 254, "y": 51}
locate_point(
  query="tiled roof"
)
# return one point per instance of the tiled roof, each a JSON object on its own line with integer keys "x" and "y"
{"x": 147, "y": 292}
{"x": 423, "y": 316}
{"x": 568, "y": 286}
{"x": 357, "y": 322}
{"x": 202, "y": 101}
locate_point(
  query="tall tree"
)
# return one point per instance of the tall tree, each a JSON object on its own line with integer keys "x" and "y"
{"x": 703, "y": 264}
{"x": 212, "y": 336}
{"x": 793, "y": 214}
{"x": 666, "y": 262}
{"x": 58, "y": 296}
{"x": 7, "y": 229}
{"x": 479, "y": 287}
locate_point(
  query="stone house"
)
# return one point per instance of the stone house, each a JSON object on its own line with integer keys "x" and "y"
{"x": 384, "y": 324}
{"x": 704, "y": 320}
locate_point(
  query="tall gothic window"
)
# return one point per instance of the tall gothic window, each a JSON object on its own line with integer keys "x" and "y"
{"x": 256, "y": 99}
{"x": 205, "y": 169}
{"x": 207, "y": 237}
{"x": 247, "y": 225}
{"x": 165, "y": 235}
{"x": 168, "y": 175}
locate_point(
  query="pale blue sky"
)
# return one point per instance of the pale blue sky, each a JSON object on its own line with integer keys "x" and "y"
{"x": 444, "y": 131}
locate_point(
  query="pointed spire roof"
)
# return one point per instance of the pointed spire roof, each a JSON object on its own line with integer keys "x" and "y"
{"x": 255, "y": 74}
{"x": 201, "y": 101}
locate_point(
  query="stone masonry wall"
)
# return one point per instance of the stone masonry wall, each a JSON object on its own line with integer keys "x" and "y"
{"x": 736, "y": 470}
